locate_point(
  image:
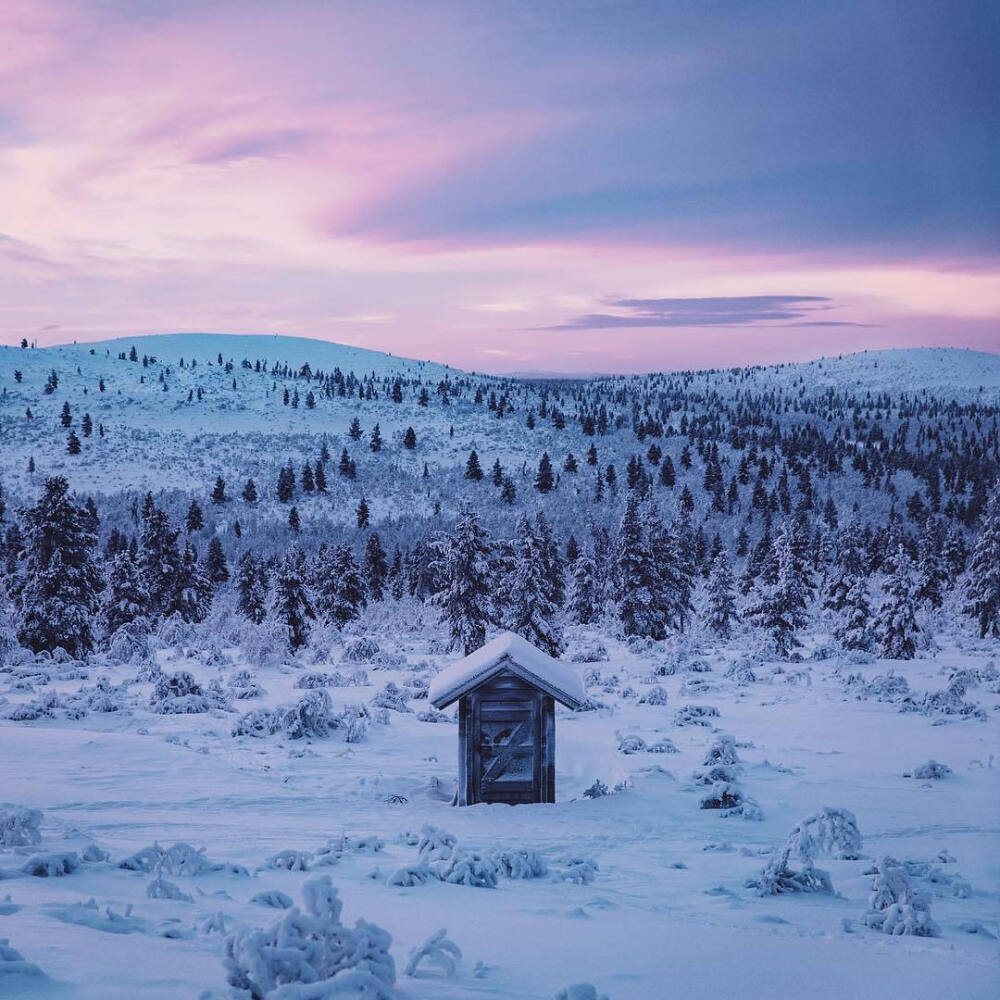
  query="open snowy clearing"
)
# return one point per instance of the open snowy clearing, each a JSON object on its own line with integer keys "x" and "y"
{"x": 666, "y": 911}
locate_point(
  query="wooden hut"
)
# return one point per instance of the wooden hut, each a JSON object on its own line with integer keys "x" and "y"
{"x": 506, "y": 693}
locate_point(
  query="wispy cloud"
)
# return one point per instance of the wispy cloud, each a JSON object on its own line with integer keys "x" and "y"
{"x": 732, "y": 310}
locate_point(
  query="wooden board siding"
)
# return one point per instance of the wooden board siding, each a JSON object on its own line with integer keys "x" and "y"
{"x": 506, "y": 730}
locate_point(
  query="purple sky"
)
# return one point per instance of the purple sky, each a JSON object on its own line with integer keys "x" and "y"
{"x": 575, "y": 185}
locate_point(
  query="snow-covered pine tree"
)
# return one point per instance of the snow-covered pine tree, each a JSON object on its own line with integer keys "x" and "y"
{"x": 125, "y": 597}
{"x": 780, "y": 609}
{"x": 159, "y": 560}
{"x": 896, "y": 623}
{"x": 854, "y": 630}
{"x": 849, "y": 567}
{"x": 291, "y": 603}
{"x": 584, "y": 605}
{"x": 982, "y": 587}
{"x": 530, "y": 610}
{"x": 338, "y": 584}
{"x": 193, "y": 597}
{"x": 215, "y": 562}
{"x": 931, "y": 577}
{"x": 376, "y": 567}
{"x": 639, "y": 607}
{"x": 251, "y": 585}
{"x": 62, "y": 582}
{"x": 553, "y": 564}
{"x": 461, "y": 567}
{"x": 720, "y": 611}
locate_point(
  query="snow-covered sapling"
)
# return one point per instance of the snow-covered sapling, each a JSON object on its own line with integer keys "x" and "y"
{"x": 895, "y": 906}
{"x": 437, "y": 950}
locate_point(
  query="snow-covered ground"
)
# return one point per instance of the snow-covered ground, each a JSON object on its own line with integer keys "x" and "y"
{"x": 665, "y": 911}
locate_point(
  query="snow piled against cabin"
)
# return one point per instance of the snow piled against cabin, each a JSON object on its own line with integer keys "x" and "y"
{"x": 163, "y": 842}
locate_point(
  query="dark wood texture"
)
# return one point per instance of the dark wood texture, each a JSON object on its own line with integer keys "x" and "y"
{"x": 506, "y": 733}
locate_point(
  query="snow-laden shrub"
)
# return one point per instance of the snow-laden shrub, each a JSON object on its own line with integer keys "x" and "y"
{"x": 435, "y": 844}
{"x": 582, "y": 871}
{"x": 103, "y": 697}
{"x": 243, "y": 685}
{"x": 930, "y": 771}
{"x": 695, "y": 715}
{"x": 361, "y": 650}
{"x": 178, "y": 694}
{"x": 52, "y": 865}
{"x": 311, "y": 716}
{"x": 174, "y": 631}
{"x": 663, "y": 746}
{"x": 160, "y": 888}
{"x": 356, "y": 728}
{"x": 656, "y": 695}
{"x": 44, "y": 706}
{"x": 521, "y": 863}
{"x": 722, "y": 751}
{"x": 631, "y": 744}
{"x": 19, "y": 826}
{"x": 392, "y": 697}
{"x": 466, "y": 867}
{"x": 93, "y": 854}
{"x": 777, "y": 877}
{"x": 593, "y": 652}
{"x": 742, "y": 671}
{"x": 318, "y": 679}
{"x": 13, "y": 964}
{"x": 181, "y": 859}
{"x": 695, "y": 687}
{"x": 289, "y": 861}
{"x": 389, "y": 659}
{"x": 895, "y": 906}
{"x": 433, "y": 715}
{"x": 597, "y": 790}
{"x": 266, "y": 644}
{"x": 829, "y": 831}
{"x": 949, "y": 701}
{"x": 129, "y": 643}
{"x": 883, "y": 687}
{"x": 313, "y": 948}
{"x": 730, "y": 799}
{"x": 436, "y": 950}
{"x": 411, "y": 875}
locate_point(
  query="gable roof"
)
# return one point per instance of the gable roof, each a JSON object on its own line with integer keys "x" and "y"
{"x": 508, "y": 651}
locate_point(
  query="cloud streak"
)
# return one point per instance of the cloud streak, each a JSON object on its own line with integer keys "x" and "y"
{"x": 739, "y": 310}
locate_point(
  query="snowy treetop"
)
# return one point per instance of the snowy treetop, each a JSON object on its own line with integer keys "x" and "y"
{"x": 508, "y": 651}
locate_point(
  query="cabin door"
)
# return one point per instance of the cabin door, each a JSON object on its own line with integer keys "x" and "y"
{"x": 509, "y": 765}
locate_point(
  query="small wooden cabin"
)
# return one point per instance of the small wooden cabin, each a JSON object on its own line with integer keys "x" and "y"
{"x": 506, "y": 693}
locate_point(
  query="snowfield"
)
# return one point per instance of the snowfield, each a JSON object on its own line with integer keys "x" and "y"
{"x": 663, "y": 911}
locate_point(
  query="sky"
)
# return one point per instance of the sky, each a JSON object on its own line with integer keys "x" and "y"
{"x": 564, "y": 186}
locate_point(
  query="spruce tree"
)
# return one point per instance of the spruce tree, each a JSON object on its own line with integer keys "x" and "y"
{"x": 219, "y": 492}
{"x": 250, "y": 494}
{"x": 639, "y": 607}
{"x": 251, "y": 586}
{"x": 982, "y": 586}
{"x": 473, "y": 470}
{"x": 721, "y": 593}
{"x": 340, "y": 590}
{"x": 73, "y": 446}
{"x": 61, "y": 581}
{"x": 291, "y": 603}
{"x": 544, "y": 480}
{"x": 854, "y": 630}
{"x": 215, "y": 562}
{"x": 294, "y": 521}
{"x": 125, "y": 597}
{"x": 159, "y": 561}
{"x": 931, "y": 576}
{"x": 320, "y": 477}
{"x": 195, "y": 520}
{"x": 376, "y": 567}
{"x": 584, "y": 604}
{"x": 896, "y": 623}
{"x": 462, "y": 570}
{"x": 780, "y": 609}
{"x": 362, "y": 514}
{"x": 530, "y": 610}
{"x": 193, "y": 594}
{"x": 375, "y": 443}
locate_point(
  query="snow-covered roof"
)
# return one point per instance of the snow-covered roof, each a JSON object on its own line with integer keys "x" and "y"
{"x": 508, "y": 651}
